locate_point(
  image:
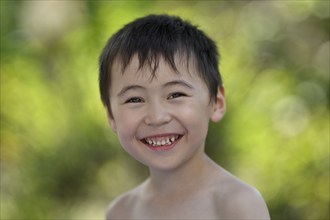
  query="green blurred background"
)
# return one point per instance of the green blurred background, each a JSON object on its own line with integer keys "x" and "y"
{"x": 60, "y": 159}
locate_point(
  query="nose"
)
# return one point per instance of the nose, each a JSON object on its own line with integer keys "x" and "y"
{"x": 157, "y": 114}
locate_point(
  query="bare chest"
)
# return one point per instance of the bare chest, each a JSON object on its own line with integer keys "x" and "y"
{"x": 189, "y": 207}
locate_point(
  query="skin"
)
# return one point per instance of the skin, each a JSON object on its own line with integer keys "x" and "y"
{"x": 184, "y": 182}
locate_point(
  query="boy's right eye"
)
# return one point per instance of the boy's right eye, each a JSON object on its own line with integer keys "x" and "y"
{"x": 134, "y": 100}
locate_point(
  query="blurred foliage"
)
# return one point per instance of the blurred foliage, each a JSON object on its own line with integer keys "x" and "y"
{"x": 59, "y": 158}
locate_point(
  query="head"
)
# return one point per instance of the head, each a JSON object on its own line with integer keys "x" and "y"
{"x": 160, "y": 83}
{"x": 160, "y": 36}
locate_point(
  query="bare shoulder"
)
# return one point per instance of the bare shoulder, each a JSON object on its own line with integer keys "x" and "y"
{"x": 246, "y": 202}
{"x": 238, "y": 200}
{"x": 122, "y": 206}
{"x": 118, "y": 208}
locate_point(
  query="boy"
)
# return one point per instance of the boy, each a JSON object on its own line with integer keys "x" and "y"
{"x": 160, "y": 84}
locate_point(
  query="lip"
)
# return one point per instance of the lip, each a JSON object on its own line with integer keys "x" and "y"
{"x": 164, "y": 147}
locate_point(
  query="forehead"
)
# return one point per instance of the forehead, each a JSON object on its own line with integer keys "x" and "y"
{"x": 154, "y": 68}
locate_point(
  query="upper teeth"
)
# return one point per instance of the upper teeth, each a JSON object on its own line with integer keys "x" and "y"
{"x": 161, "y": 141}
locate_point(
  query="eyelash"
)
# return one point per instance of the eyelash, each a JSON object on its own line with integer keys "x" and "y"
{"x": 134, "y": 100}
{"x": 173, "y": 95}
{"x": 176, "y": 95}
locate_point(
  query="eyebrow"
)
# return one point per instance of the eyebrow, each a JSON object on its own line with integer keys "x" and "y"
{"x": 168, "y": 84}
{"x": 179, "y": 82}
{"x": 130, "y": 87}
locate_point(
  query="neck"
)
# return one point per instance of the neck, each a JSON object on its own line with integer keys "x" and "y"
{"x": 184, "y": 179}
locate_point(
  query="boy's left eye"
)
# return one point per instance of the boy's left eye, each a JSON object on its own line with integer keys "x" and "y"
{"x": 176, "y": 95}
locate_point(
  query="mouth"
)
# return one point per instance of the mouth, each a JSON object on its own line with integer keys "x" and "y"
{"x": 161, "y": 142}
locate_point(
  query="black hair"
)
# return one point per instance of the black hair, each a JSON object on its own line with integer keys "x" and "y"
{"x": 156, "y": 36}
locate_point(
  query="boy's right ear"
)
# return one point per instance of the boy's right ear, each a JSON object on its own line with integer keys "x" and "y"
{"x": 111, "y": 121}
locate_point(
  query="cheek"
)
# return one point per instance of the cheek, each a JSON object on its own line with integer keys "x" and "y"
{"x": 126, "y": 126}
{"x": 196, "y": 119}
{"x": 127, "y": 135}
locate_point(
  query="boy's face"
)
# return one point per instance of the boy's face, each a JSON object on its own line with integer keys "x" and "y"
{"x": 162, "y": 121}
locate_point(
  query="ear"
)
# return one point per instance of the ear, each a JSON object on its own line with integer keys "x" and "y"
{"x": 111, "y": 121}
{"x": 219, "y": 106}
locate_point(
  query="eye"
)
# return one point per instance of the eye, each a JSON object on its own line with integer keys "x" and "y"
{"x": 176, "y": 95}
{"x": 134, "y": 100}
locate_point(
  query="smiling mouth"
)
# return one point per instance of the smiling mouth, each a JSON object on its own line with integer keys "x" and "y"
{"x": 161, "y": 141}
